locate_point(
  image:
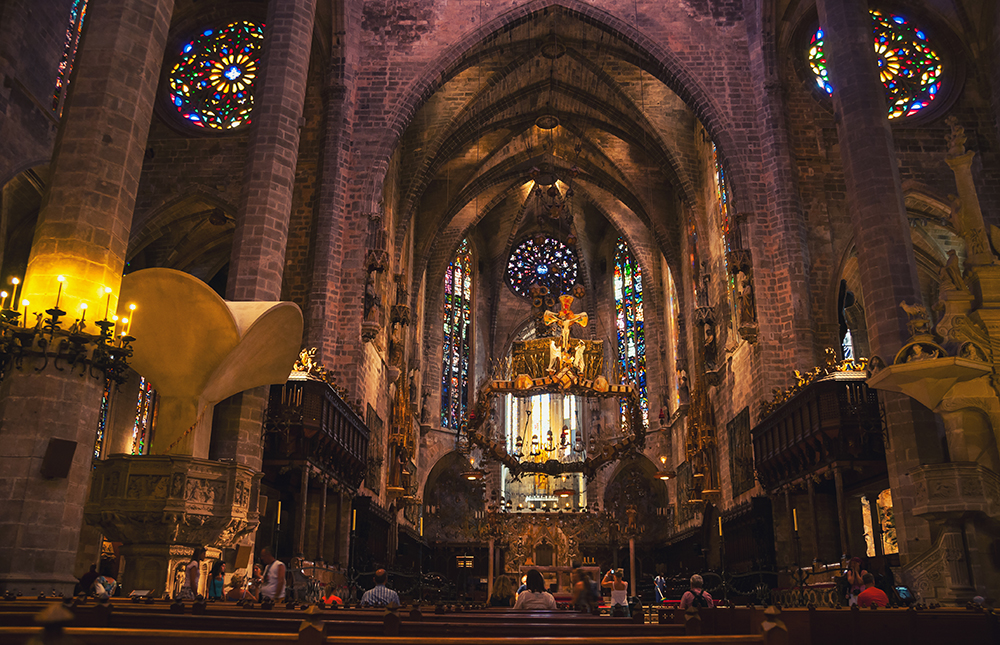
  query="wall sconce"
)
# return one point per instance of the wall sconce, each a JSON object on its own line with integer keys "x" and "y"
{"x": 104, "y": 354}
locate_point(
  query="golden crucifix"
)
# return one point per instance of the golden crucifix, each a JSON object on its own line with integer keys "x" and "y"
{"x": 565, "y": 318}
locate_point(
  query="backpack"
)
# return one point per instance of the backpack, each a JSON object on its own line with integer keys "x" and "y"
{"x": 699, "y": 599}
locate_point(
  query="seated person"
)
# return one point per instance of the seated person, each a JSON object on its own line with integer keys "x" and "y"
{"x": 380, "y": 595}
{"x": 871, "y": 595}
{"x": 238, "y": 590}
{"x": 535, "y": 596}
{"x": 697, "y": 596}
{"x": 330, "y": 597}
{"x": 503, "y": 592}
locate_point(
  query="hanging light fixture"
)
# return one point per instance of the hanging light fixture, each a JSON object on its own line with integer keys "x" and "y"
{"x": 473, "y": 474}
{"x": 663, "y": 473}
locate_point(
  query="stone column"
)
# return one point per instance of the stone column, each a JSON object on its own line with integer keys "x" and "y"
{"x": 303, "y": 509}
{"x": 261, "y": 235}
{"x": 82, "y": 233}
{"x": 327, "y": 292}
{"x": 321, "y": 538}
{"x": 814, "y": 518}
{"x": 780, "y": 245}
{"x": 882, "y": 236}
{"x": 838, "y": 482}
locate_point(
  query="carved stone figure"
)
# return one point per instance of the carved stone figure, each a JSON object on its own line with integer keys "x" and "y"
{"x": 920, "y": 320}
{"x": 373, "y": 302}
{"x": 747, "y": 312}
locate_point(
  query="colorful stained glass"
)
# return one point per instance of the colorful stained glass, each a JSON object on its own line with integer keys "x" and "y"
{"x": 724, "y": 197}
{"x": 457, "y": 327}
{"x": 630, "y": 324}
{"x": 77, "y": 13}
{"x": 211, "y": 85}
{"x": 548, "y": 262}
{"x": 910, "y": 70}
{"x": 144, "y": 410}
{"x": 102, "y": 419}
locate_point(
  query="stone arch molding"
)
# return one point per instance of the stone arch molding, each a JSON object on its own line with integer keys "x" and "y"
{"x": 660, "y": 62}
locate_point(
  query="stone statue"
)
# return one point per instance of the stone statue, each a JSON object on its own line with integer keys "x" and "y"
{"x": 951, "y": 274}
{"x": 425, "y": 408}
{"x": 746, "y": 302}
{"x": 373, "y": 302}
{"x": 920, "y": 320}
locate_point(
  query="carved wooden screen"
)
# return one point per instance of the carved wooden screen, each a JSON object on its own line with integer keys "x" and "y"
{"x": 740, "y": 453}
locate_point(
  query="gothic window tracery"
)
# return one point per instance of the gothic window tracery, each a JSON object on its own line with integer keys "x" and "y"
{"x": 545, "y": 261}
{"x": 630, "y": 322}
{"x": 457, "y": 327}
{"x": 910, "y": 69}
{"x": 211, "y": 84}
{"x": 145, "y": 408}
{"x": 77, "y": 14}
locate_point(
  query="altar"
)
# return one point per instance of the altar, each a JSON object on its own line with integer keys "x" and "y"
{"x": 561, "y": 577}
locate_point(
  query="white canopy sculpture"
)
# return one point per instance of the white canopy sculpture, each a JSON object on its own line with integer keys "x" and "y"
{"x": 197, "y": 349}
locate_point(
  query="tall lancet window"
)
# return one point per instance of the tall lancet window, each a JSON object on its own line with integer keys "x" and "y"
{"x": 77, "y": 13}
{"x": 457, "y": 332}
{"x": 629, "y": 320}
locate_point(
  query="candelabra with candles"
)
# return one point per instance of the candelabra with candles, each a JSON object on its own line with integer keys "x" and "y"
{"x": 103, "y": 355}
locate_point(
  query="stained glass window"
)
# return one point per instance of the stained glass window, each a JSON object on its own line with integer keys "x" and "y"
{"x": 144, "y": 412}
{"x": 77, "y": 13}
{"x": 546, "y": 261}
{"x": 102, "y": 419}
{"x": 211, "y": 85}
{"x": 630, "y": 323}
{"x": 457, "y": 324}
{"x": 910, "y": 69}
{"x": 724, "y": 197}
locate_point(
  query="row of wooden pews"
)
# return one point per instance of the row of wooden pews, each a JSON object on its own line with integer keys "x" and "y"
{"x": 850, "y": 626}
{"x": 161, "y": 623}
{"x": 166, "y": 623}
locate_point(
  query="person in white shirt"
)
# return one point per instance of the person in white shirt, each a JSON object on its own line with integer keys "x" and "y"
{"x": 619, "y": 590}
{"x": 535, "y": 597}
{"x": 273, "y": 585}
{"x": 192, "y": 576}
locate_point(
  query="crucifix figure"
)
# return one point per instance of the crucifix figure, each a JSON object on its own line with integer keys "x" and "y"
{"x": 565, "y": 318}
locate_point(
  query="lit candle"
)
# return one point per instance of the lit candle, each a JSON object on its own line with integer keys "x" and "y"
{"x": 107, "y": 306}
{"x": 795, "y": 519}
{"x": 3, "y": 299}
{"x": 62, "y": 281}
{"x": 83, "y": 316}
{"x": 128, "y": 330}
{"x": 17, "y": 292}
{"x": 25, "y": 303}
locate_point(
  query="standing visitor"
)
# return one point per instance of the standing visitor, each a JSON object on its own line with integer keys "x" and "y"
{"x": 216, "y": 580}
{"x": 619, "y": 592}
{"x": 273, "y": 584}
{"x": 192, "y": 576}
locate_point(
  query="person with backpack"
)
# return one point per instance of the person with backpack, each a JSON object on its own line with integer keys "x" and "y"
{"x": 696, "y": 596}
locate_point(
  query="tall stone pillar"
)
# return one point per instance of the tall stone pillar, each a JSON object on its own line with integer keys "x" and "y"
{"x": 260, "y": 239}
{"x": 82, "y": 233}
{"x": 882, "y": 237}
{"x": 778, "y": 227}
{"x": 328, "y": 249}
